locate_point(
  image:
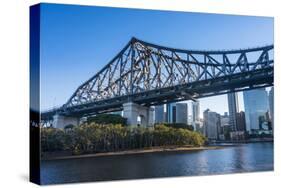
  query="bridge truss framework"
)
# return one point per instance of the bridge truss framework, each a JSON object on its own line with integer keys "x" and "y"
{"x": 149, "y": 74}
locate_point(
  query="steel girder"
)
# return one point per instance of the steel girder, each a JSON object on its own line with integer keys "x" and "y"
{"x": 150, "y": 74}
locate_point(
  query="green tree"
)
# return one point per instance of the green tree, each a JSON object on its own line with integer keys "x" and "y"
{"x": 93, "y": 138}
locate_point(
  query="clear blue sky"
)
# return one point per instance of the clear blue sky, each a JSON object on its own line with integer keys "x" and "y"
{"x": 77, "y": 41}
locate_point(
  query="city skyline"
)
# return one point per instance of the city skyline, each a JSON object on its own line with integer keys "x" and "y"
{"x": 210, "y": 103}
{"x": 241, "y": 108}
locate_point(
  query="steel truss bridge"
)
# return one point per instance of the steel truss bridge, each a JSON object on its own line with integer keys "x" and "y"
{"x": 150, "y": 74}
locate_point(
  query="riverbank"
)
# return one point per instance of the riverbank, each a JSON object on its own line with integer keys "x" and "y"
{"x": 67, "y": 155}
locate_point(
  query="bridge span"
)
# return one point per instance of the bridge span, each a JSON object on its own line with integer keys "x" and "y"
{"x": 143, "y": 74}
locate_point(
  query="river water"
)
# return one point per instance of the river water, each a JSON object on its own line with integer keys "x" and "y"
{"x": 234, "y": 159}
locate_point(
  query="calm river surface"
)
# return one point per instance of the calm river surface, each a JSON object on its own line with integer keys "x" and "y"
{"x": 234, "y": 159}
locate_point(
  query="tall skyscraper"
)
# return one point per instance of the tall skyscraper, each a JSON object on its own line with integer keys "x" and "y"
{"x": 211, "y": 124}
{"x": 271, "y": 106}
{"x": 181, "y": 113}
{"x": 171, "y": 112}
{"x": 233, "y": 110}
{"x": 195, "y": 115}
{"x": 205, "y": 121}
{"x": 224, "y": 126}
{"x": 241, "y": 123}
{"x": 225, "y": 120}
{"x": 159, "y": 114}
{"x": 256, "y": 105}
{"x": 195, "y": 111}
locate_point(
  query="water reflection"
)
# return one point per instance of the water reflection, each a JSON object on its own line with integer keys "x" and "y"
{"x": 242, "y": 158}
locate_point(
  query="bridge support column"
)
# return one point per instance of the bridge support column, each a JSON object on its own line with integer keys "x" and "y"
{"x": 138, "y": 115}
{"x": 60, "y": 121}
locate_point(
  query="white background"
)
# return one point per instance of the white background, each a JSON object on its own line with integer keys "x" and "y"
{"x": 14, "y": 91}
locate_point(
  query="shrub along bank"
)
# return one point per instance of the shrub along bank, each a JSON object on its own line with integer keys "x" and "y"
{"x": 95, "y": 138}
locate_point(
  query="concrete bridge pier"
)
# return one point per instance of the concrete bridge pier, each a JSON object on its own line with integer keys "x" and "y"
{"x": 138, "y": 115}
{"x": 60, "y": 121}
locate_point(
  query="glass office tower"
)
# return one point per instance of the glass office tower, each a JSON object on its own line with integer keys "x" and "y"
{"x": 256, "y": 106}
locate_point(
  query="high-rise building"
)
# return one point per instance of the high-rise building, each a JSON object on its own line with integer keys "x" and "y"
{"x": 159, "y": 114}
{"x": 241, "y": 123}
{"x": 233, "y": 110}
{"x": 195, "y": 115}
{"x": 224, "y": 126}
{"x": 271, "y": 106}
{"x": 205, "y": 121}
{"x": 211, "y": 124}
{"x": 225, "y": 120}
{"x": 171, "y": 112}
{"x": 181, "y": 113}
{"x": 264, "y": 122}
{"x": 195, "y": 111}
{"x": 218, "y": 123}
{"x": 256, "y": 105}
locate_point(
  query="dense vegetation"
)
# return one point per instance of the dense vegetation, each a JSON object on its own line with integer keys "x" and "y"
{"x": 93, "y": 138}
{"x": 179, "y": 125}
